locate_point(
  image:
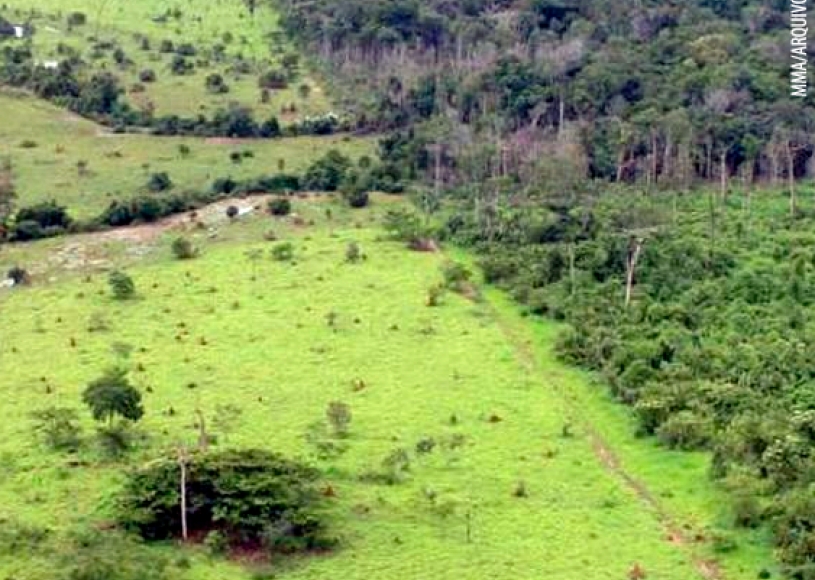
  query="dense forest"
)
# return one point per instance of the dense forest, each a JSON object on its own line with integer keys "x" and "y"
{"x": 658, "y": 92}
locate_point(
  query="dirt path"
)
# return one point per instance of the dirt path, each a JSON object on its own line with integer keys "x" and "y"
{"x": 674, "y": 533}
{"x": 89, "y": 250}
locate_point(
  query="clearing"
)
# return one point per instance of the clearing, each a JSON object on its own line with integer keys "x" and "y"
{"x": 520, "y": 484}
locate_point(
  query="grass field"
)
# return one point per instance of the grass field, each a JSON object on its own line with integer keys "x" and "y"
{"x": 251, "y": 46}
{"x": 118, "y": 166}
{"x": 253, "y": 333}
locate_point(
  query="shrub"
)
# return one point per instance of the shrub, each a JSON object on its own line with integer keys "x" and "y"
{"x": 685, "y": 430}
{"x": 183, "y": 249}
{"x": 49, "y": 216}
{"x": 252, "y": 497}
{"x": 159, "y": 182}
{"x": 435, "y": 294}
{"x": 147, "y": 76}
{"x": 328, "y": 172}
{"x": 19, "y": 276}
{"x": 280, "y": 206}
{"x": 456, "y": 276}
{"x": 28, "y": 144}
{"x": 357, "y": 198}
{"x": 224, "y": 185}
{"x": 273, "y": 79}
{"x": 180, "y": 65}
{"x": 215, "y": 84}
{"x": 76, "y": 19}
{"x": 58, "y": 427}
{"x": 232, "y": 212}
{"x": 353, "y": 253}
{"x": 121, "y": 285}
{"x": 339, "y": 417}
{"x": 166, "y": 46}
{"x": 236, "y": 157}
{"x": 283, "y": 252}
{"x": 186, "y": 49}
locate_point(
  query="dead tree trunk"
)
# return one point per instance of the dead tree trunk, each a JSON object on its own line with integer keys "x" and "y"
{"x": 633, "y": 258}
{"x": 182, "y": 464}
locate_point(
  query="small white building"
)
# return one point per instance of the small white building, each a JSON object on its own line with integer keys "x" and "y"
{"x": 19, "y": 32}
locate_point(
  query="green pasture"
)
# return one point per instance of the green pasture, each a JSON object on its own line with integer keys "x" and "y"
{"x": 234, "y": 327}
{"x": 46, "y": 146}
{"x": 256, "y": 41}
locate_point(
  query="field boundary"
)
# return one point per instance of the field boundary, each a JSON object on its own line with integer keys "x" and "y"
{"x": 707, "y": 568}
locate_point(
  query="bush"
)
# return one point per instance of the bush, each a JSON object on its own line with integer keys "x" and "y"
{"x": 180, "y": 65}
{"x": 224, "y": 185}
{"x": 183, "y": 249}
{"x": 41, "y": 220}
{"x": 283, "y": 252}
{"x": 19, "y": 276}
{"x": 685, "y": 430}
{"x": 186, "y": 49}
{"x": 215, "y": 84}
{"x": 273, "y": 79}
{"x": 76, "y": 19}
{"x": 159, "y": 182}
{"x": 252, "y": 497}
{"x": 327, "y": 173}
{"x": 232, "y": 212}
{"x": 147, "y": 76}
{"x": 121, "y": 285}
{"x": 357, "y": 198}
{"x": 456, "y": 276}
{"x": 280, "y": 206}
{"x": 353, "y": 253}
{"x": 58, "y": 427}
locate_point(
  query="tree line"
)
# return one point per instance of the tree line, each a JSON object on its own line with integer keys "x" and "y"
{"x": 654, "y": 92}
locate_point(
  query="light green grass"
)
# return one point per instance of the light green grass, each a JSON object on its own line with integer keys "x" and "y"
{"x": 274, "y": 356}
{"x": 120, "y": 165}
{"x": 202, "y": 24}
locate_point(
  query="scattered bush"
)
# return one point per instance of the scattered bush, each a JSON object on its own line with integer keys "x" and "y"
{"x": 183, "y": 249}
{"x": 159, "y": 182}
{"x": 59, "y": 428}
{"x": 280, "y": 206}
{"x": 215, "y": 84}
{"x": 283, "y": 252}
{"x": 121, "y": 285}
{"x": 456, "y": 276}
{"x": 19, "y": 276}
{"x": 273, "y": 79}
{"x": 327, "y": 173}
{"x": 75, "y": 19}
{"x": 353, "y": 253}
{"x": 147, "y": 76}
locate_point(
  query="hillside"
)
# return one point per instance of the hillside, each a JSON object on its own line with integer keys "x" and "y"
{"x": 427, "y": 289}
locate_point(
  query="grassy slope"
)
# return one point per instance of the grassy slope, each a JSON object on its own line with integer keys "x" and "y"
{"x": 202, "y": 24}
{"x": 117, "y": 162}
{"x": 579, "y": 521}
